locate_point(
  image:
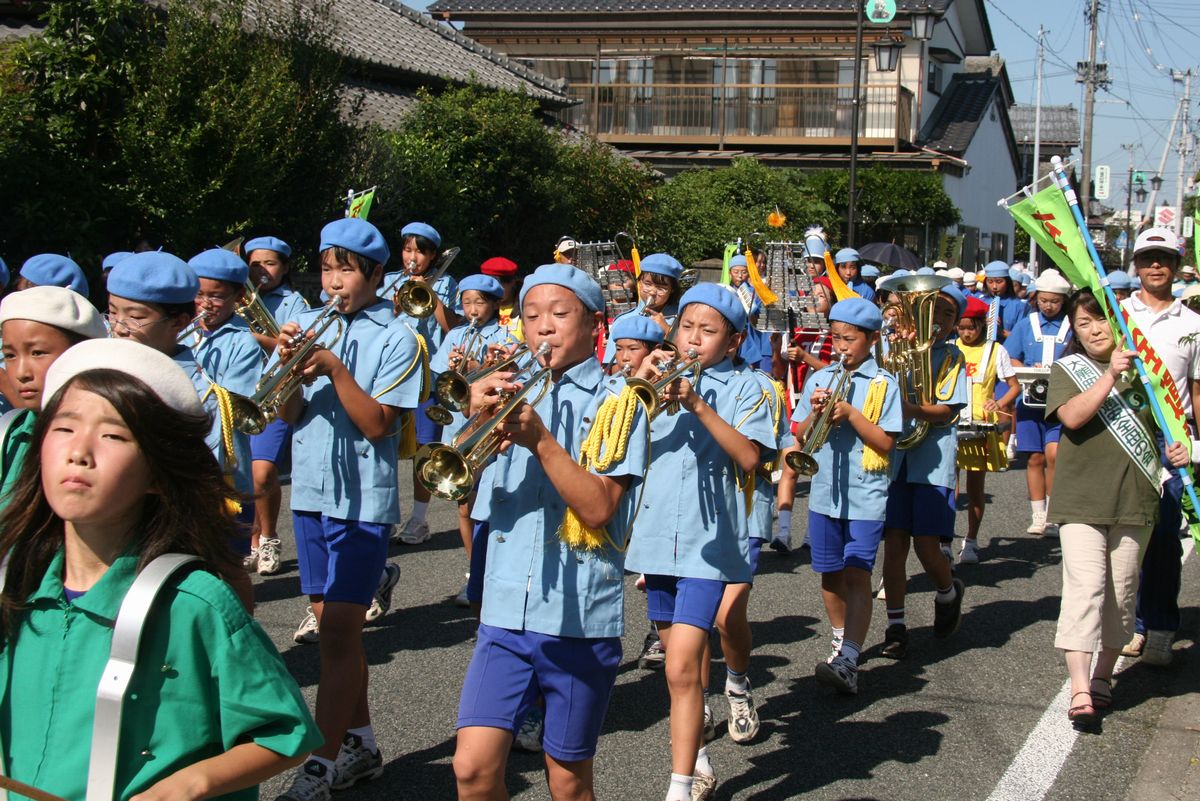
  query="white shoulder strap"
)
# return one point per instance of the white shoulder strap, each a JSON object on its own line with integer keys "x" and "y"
{"x": 7, "y": 420}
{"x": 122, "y": 660}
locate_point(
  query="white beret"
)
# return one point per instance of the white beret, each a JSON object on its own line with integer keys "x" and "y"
{"x": 57, "y": 306}
{"x": 1053, "y": 282}
{"x": 156, "y": 370}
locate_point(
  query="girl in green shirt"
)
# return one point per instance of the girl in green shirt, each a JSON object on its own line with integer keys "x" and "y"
{"x": 123, "y": 476}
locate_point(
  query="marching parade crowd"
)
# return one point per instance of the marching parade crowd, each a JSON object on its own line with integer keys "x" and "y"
{"x": 589, "y": 419}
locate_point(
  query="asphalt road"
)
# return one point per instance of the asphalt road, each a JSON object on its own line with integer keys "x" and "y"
{"x": 945, "y": 723}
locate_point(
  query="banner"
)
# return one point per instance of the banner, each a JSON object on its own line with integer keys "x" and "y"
{"x": 358, "y": 204}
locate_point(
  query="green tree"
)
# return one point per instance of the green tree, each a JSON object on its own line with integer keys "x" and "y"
{"x": 888, "y": 200}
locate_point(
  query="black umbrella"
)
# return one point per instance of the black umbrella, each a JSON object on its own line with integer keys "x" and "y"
{"x": 891, "y": 254}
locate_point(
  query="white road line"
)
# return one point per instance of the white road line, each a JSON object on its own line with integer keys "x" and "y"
{"x": 1036, "y": 766}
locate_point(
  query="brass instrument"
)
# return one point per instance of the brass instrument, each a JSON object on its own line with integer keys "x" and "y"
{"x": 449, "y": 471}
{"x": 194, "y": 331}
{"x": 911, "y": 361}
{"x": 416, "y": 298}
{"x": 804, "y": 461}
{"x": 255, "y": 313}
{"x": 672, "y": 370}
{"x": 251, "y": 415}
{"x": 453, "y": 388}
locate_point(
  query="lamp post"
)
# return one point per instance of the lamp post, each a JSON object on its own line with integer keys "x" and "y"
{"x": 887, "y": 54}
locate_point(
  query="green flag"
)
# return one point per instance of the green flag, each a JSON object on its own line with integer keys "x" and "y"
{"x": 359, "y": 204}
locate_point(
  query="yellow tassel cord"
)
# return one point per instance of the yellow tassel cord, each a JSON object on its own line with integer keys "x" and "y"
{"x": 225, "y": 415}
{"x": 947, "y": 379}
{"x": 407, "y": 432}
{"x": 840, "y": 290}
{"x": 745, "y": 481}
{"x": 603, "y": 447}
{"x": 637, "y": 261}
{"x": 760, "y": 286}
{"x": 872, "y": 460}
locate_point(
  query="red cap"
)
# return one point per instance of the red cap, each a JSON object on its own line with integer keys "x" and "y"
{"x": 975, "y": 308}
{"x": 823, "y": 281}
{"x": 499, "y": 266}
{"x": 622, "y": 266}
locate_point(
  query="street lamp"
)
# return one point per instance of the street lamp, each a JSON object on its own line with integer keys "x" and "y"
{"x": 1156, "y": 183}
{"x": 1140, "y": 194}
{"x": 922, "y": 25}
{"x": 887, "y": 53}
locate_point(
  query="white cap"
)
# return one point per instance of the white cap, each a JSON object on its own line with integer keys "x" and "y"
{"x": 1052, "y": 281}
{"x": 942, "y": 273}
{"x": 1163, "y": 239}
{"x": 156, "y": 370}
{"x": 955, "y": 273}
{"x": 1187, "y": 268}
{"x": 940, "y": 265}
{"x": 565, "y": 244}
{"x": 57, "y": 306}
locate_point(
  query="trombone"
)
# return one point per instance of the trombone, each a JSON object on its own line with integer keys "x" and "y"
{"x": 416, "y": 298}
{"x": 449, "y": 471}
{"x": 803, "y": 461}
{"x": 254, "y": 311}
{"x": 251, "y": 415}
{"x": 194, "y": 331}
{"x": 672, "y": 370}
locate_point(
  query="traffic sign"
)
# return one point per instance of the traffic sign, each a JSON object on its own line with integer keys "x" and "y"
{"x": 1103, "y": 180}
{"x": 1164, "y": 217}
{"x": 881, "y": 12}
{"x": 1189, "y": 226}
{"x": 1122, "y": 241}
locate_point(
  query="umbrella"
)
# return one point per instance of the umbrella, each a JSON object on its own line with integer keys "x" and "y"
{"x": 890, "y": 254}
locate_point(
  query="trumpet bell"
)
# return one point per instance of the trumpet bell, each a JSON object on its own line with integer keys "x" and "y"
{"x": 248, "y": 418}
{"x": 646, "y": 393}
{"x": 802, "y": 463}
{"x": 915, "y": 283}
{"x": 415, "y": 299}
{"x": 439, "y": 415}
{"x": 452, "y": 390}
{"x": 443, "y": 471}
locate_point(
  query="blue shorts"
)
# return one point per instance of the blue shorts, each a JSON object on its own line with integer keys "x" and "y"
{"x": 427, "y": 430}
{"x": 756, "y": 544}
{"x": 670, "y": 599}
{"x": 574, "y": 675}
{"x": 1033, "y": 434}
{"x": 273, "y": 445}
{"x": 479, "y": 543}
{"x": 920, "y": 509}
{"x": 838, "y": 544}
{"x": 340, "y": 559}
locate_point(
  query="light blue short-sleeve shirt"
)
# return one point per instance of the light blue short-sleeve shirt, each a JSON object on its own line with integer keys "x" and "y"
{"x": 232, "y": 358}
{"x": 693, "y": 521}
{"x": 1022, "y": 346}
{"x": 842, "y": 489}
{"x": 336, "y": 470}
{"x": 492, "y": 333}
{"x": 934, "y": 460}
{"x": 863, "y": 289}
{"x": 243, "y": 480}
{"x": 283, "y": 303}
{"x": 533, "y": 581}
{"x": 446, "y": 288}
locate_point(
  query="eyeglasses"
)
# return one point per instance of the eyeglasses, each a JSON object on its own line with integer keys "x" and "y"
{"x": 126, "y": 324}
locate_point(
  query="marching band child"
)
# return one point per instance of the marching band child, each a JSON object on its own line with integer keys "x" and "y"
{"x": 1005, "y": 309}
{"x": 986, "y": 363}
{"x": 343, "y": 507}
{"x": 51, "y": 269}
{"x": 123, "y": 476}
{"x": 269, "y": 261}
{"x": 658, "y": 292}
{"x": 848, "y": 500}
{"x": 553, "y": 612}
{"x": 847, "y": 263}
{"x": 1037, "y": 340}
{"x": 920, "y": 501}
{"x": 694, "y": 538}
{"x": 505, "y": 271}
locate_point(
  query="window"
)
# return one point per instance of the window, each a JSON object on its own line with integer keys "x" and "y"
{"x": 933, "y": 77}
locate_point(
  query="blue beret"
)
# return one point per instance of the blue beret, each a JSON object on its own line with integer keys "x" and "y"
{"x": 925, "y": 271}
{"x": 219, "y": 264}
{"x": 422, "y": 229}
{"x": 857, "y": 311}
{"x": 900, "y": 273}
{"x": 996, "y": 269}
{"x": 268, "y": 243}
{"x": 721, "y": 298}
{"x": 635, "y": 326}
{"x": 571, "y": 277}
{"x": 738, "y": 261}
{"x": 50, "y": 269}
{"x": 846, "y": 255}
{"x": 815, "y": 246}
{"x": 869, "y": 271}
{"x": 481, "y": 283}
{"x": 4, "y": 276}
{"x": 662, "y": 264}
{"x": 1027, "y": 279}
{"x": 357, "y": 236}
{"x": 956, "y": 294}
{"x": 1119, "y": 279}
{"x": 1015, "y": 274}
{"x": 111, "y": 259}
{"x": 154, "y": 277}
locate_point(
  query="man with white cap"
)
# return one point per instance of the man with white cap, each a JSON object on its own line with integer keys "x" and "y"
{"x": 955, "y": 274}
{"x": 1187, "y": 278}
{"x": 1171, "y": 329}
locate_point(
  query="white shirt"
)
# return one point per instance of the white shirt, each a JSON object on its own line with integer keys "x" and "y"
{"x": 1165, "y": 330}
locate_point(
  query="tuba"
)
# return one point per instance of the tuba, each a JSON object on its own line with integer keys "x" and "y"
{"x": 803, "y": 461}
{"x": 416, "y": 298}
{"x": 911, "y": 361}
{"x": 255, "y": 313}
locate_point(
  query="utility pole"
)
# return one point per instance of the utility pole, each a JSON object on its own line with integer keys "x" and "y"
{"x": 1037, "y": 139}
{"x": 1091, "y": 75}
{"x": 1185, "y": 147}
{"x": 1128, "y": 209}
{"x": 1162, "y": 165}
{"x": 854, "y": 109}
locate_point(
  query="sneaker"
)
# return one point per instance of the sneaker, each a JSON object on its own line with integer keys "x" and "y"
{"x": 268, "y": 558}
{"x": 653, "y": 656}
{"x": 1010, "y": 450}
{"x": 704, "y": 785}
{"x": 308, "y": 785}
{"x": 529, "y": 735}
{"x": 382, "y": 601}
{"x": 946, "y": 617}
{"x": 414, "y": 532}
{"x": 461, "y": 600}
{"x": 1050, "y": 532}
{"x": 895, "y": 642}
{"x": 969, "y": 555}
{"x": 835, "y": 648}
{"x": 309, "y": 632}
{"x": 1134, "y": 647}
{"x": 743, "y": 717}
{"x": 250, "y": 561}
{"x": 355, "y": 763}
{"x": 1038, "y": 525}
{"x": 1157, "y": 650}
{"x": 710, "y": 724}
{"x": 780, "y": 546}
{"x": 840, "y": 674}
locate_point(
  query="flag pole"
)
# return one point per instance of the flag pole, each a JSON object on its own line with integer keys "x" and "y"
{"x": 1060, "y": 177}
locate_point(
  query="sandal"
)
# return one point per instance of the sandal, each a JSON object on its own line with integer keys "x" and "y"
{"x": 1101, "y": 697}
{"x": 1083, "y": 714}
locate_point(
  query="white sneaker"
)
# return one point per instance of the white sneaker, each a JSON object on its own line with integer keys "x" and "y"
{"x": 703, "y": 786}
{"x": 1157, "y": 650}
{"x": 1010, "y": 450}
{"x": 308, "y": 785}
{"x": 1050, "y": 531}
{"x": 414, "y": 532}
{"x": 743, "y": 717}
{"x": 969, "y": 555}
{"x": 309, "y": 631}
{"x": 268, "y": 558}
{"x": 1038, "y": 525}
{"x": 382, "y": 601}
{"x": 355, "y": 763}
{"x": 250, "y": 561}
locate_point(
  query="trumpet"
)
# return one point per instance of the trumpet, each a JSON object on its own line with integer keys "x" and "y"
{"x": 453, "y": 388}
{"x": 650, "y": 394}
{"x": 440, "y": 414}
{"x": 251, "y": 415}
{"x": 803, "y": 461}
{"x": 416, "y": 298}
{"x": 449, "y": 471}
{"x": 255, "y": 313}
{"x": 194, "y": 331}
